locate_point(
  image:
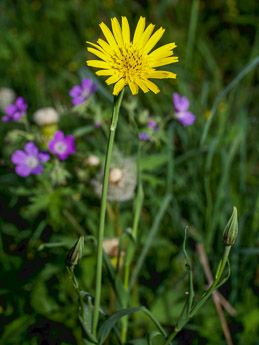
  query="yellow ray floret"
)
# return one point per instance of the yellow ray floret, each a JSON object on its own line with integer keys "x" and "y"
{"x": 131, "y": 63}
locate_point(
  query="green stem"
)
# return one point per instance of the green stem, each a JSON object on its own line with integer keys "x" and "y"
{"x": 205, "y": 296}
{"x": 171, "y": 337}
{"x": 138, "y": 207}
{"x": 98, "y": 282}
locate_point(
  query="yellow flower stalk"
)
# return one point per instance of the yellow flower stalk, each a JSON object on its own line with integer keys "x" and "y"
{"x": 129, "y": 62}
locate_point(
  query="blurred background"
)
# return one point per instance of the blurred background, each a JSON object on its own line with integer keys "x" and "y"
{"x": 42, "y": 56}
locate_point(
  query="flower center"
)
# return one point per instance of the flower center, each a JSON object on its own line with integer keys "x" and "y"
{"x": 130, "y": 62}
{"x": 180, "y": 114}
{"x": 60, "y": 147}
{"x": 86, "y": 94}
{"x": 31, "y": 162}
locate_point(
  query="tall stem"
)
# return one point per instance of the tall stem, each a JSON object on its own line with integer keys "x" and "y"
{"x": 98, "y": 282}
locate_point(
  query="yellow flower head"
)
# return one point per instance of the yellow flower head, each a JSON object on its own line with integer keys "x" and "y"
{"x": 129, "y": 62}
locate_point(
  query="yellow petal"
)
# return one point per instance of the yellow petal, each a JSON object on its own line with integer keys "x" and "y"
{"x": 144, "y": 38}
{"x": 133, "y": 87}
{"x": 161, "y": 75}
{"x": 98, "y": 64}
{"x": 153, "y": 40}
{"x": 142, "y": 85}
{"x": 160, "y": 54}
{"x": 113, "y": 79}
{"x": 125, "y": 31}
{"x": 165, "y": 61}
{"x": 109, "y": 36}
{"x": 99, "y": 54}
{"x": 118, "y": 86}
{"x": 117, "y": 31}
{"x": 153, "y": 87}
{"x": 105, "y": 72}
{"x": 139, "y": 30}
{"x": 96, "y": 46}
{"x": 105, "y": 46}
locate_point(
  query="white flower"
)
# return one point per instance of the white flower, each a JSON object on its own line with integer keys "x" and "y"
{"x": 7, "y": 97}
{"x": 122, "y": 179}
{"x": 46, "y": 116}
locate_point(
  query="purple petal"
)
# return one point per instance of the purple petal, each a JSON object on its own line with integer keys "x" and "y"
{"x": 19, "y": 157}
{"x": 11, "y": 109}
{"x": 186, "y": 118}
{"x": 21, "y": 104}
{"x": 151, "y": 124}
{"x": 87, "y": 84}
{"x": 23, "y": 170}
{"x": 75, "y": 91}
{"x": 31, "y": 149}
{"x": 43, "y": 157}
{"x": 78, "y": 100}
{"x": 38, "y": 170}
{"x": 70, "y": 142}
{"x": 62, "y": 156}
{"x": 6, "y": 118}
{"x": 58, "y": 136}
{"x": 144, "y": 136}
{"x": 94, "y": 88}
{"x": 51, "y": 146}
{"x": 180, "y": 103}
{"x": 17, "y": 115}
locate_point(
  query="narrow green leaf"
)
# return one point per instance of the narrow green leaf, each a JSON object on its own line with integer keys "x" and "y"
{"x": 108, "y": 324}
{"x": 185, "y": 315}
{"x": 207, "y": 295}
{"x": 112, "y": 320}
{"x": 223, "y": 93}
{"x": 152, "y": 335}
{"x": 87, "y": 330}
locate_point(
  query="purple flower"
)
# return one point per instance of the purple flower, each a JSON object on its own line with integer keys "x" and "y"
{"x": 144, "y": 136}
{"x": 82, "y": 93}
{"x": 181, "y": 105}
{"x": 15, "y": 111}
{"x": 29, "y": 162}
{"x": 62, "y": 146}
{"x": 97, "y": 124}
{"x": 151, "y": 124}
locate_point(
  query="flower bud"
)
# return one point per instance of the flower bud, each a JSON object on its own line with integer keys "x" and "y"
{"x": 115, "y": 175}
{"x": 92, "y": 161}
{"x": 46, "y": 116}
{"x": 75, "y": 253}
{"x": 231, "y": 229}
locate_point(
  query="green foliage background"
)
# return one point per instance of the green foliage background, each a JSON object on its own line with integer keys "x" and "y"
{"x": 42, "y": 54}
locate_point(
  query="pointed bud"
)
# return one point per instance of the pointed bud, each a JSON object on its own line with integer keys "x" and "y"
{"x": 231, "y": 229}
{"x": 75, "y": 254}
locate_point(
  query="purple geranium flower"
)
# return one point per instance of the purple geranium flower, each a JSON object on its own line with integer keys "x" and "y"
{"x": 62, "y": 146}
{"x": 181, "y": 105}
{"x": 144, "y": 136}
{"x": 29, "y": 161}
{"x": 15, "y": 111}
{"x": 82, "y": 93}
{"x": 151, "y": 124}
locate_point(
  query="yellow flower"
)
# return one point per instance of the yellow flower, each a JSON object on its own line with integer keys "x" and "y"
{"x": 129, "y": 62}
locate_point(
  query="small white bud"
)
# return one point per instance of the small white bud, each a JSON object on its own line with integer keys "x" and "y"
{"x": 115, "y": 175}
{"x": 92, "y": 161}
{"x": 46, "y": 116}
{"x": 7, "y": 97}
